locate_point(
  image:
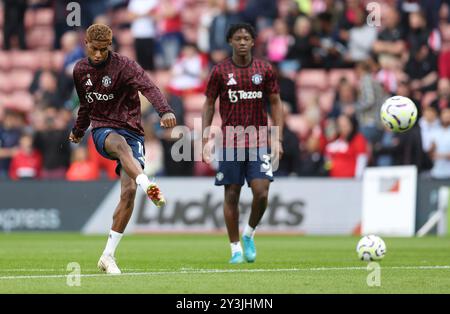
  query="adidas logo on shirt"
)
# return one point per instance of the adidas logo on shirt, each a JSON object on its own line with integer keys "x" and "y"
{"x": 89, "y": 83}
{"x": 231, "y": 80}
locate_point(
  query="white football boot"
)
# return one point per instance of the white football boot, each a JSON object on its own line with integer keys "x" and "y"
{"x": 107, "y": 263}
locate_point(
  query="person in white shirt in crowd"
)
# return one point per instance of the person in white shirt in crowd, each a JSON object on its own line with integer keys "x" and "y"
{"x": 440, "y": 147}
{"x": 143, "y": 14}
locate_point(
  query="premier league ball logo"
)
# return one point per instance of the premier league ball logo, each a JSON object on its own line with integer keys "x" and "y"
{"x": 106, "y": 81}
{"x": 257, "y": 79}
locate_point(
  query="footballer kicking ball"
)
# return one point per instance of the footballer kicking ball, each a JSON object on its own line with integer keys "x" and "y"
{"x": 371, "y": 248}
{"x": 398, "y": 113}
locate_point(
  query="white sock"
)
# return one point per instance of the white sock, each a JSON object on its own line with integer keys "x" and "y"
{"x": 113, "y": 242}
{"x": 235, "y": 247}
{"x": 143, "y": 181}
{"x": 249, "y": 231}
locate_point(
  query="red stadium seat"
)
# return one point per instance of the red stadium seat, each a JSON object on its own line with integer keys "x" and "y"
{"x": 44, "y": 17}
{"x": 336, "y": 74}
{"x": 193, "y": 102}
{"x": 5, "y": 61}
{"x": 312, "y": 78}
{"x": 21, "y": 101}
{"x": 40, "y": 37}
{"x": 21, "y": 79}
{"x": 25, "y": 60}
{"x": 6, "y": 85}
{"x": 57, "y": 60}
{"x": 29, "y": 19}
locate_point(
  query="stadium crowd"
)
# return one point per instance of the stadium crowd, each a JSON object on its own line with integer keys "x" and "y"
{"x": 337, "y": 61}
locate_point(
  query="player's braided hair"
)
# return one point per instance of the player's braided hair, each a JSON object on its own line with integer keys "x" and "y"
{"x": 235, "y": 27}
{"x": 99, "y": 32}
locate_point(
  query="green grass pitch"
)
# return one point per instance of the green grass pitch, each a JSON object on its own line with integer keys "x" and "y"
{"x": 37, "y": 263}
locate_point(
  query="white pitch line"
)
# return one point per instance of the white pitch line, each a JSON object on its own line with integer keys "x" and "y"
{"x": 210, "y": 271}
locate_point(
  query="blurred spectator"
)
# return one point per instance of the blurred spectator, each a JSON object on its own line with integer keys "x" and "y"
{"x": 205, "y": 22}
{"x": 27, "y": 161}
{"x": 260, "y": 13}
{"x": 405, "y": 149}
{"x": 219, "y": 48}
{"x": 189, "y": 71}
{"x": 51, "y": 141}
{"x": 390, "y": 41}
{"x": 73, "y": 52}
{"x": 431, "y": 11}
{"x": 345, "y": 100}
{"x": 420, "y": 34}
{"x": 170, "y": 28}
{"x": 443, "y": 99}
{"x": 422, "y": 70}
{"x": 278, "y": 44}
{"x": 82, "y": 168}
{"x": 10, "y": 132}
{"x": 46, "y": 92}
{"x": 45, "y": 64}
{"x": 391, "y": 74}
{"x": 440, "y": 149}
{"x": 348, "y": 19}
{"x": 91, "y": 9}
{"x": 360, "y": 38}
{"x": 288, "y": 89}
{"x": 330, "y": 52}
{"x": 311, "y": 155}
{"x": 60, "y": 21}
{"x": 381, "y": 152}
{"x": 347, "y": 154}
{"x": 405, "y": 8}
{"x": 290, "y": 163}
{"x": 429, "y": 123}
{"x": 301, "y": 48}
{"x": 143, "y": 14}
{"x": 371, "y": 97}
{"x": 14, "y": 22}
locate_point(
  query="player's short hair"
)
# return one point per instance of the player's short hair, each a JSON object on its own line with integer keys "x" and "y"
{"x": 235, "y": 27}
{"x": 99, "y": 32}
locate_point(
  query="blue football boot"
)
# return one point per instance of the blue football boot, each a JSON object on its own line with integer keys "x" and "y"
{"x": 249, "y": 248}
{"x": 237, "y": 258}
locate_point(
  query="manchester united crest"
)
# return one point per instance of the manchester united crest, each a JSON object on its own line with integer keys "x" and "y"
{"x": 257, "y": 79}
{"x": 106, "y": 81}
